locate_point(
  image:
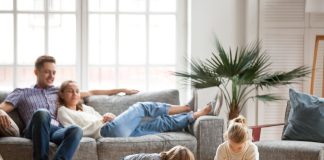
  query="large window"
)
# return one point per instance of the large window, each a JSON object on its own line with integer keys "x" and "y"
{"x": 99, "y": 43}
{"x": 30, "y": 28}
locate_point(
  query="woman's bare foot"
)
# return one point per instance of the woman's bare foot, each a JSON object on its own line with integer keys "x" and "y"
{"x": 176, "y": 109}
{"x": 207, "y": 109}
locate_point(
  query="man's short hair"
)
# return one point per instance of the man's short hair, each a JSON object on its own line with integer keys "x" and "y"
{"x": 43, "y": 59}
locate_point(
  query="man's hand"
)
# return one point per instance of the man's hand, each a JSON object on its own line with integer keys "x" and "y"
{"x": 4, "y": 120}
{"x": 108, "y": 117}
{"x": 130, "y": 91}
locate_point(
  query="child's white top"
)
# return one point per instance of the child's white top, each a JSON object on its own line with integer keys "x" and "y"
{"x": 249, "y": 152}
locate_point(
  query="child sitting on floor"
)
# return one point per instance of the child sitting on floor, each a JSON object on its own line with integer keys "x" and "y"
{"x": 237, "y": 145}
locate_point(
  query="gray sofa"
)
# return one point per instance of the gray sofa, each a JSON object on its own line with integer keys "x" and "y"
{"x": 290, "y": 149}
{"x": 203, "y": 137}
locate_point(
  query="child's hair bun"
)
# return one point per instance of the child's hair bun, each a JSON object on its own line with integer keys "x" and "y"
{"x": 240, "y": 119}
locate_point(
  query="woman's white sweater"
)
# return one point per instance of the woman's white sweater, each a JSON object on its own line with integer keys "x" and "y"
{"x": 89, "y": 120}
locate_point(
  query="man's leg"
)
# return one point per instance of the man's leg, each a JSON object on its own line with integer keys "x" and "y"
{"x": 124, "y": 124}
{"x": 67, "y": 139}
{"x": 38, "y": 131}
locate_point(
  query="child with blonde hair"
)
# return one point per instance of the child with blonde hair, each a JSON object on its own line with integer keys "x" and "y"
{"x": 238, "y": 144}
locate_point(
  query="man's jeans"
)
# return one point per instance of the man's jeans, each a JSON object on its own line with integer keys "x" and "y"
{"x": 130, "y": 122}
{"x": 41, "y": 132}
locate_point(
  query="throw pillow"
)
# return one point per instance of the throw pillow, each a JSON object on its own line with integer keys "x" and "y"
{"x": 12, "y": 131}
{"x": 306, "y": 118}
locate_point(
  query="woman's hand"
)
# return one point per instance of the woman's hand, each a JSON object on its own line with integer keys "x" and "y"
{"x": 130, "y": 91}
{"x": 108, "y": 117}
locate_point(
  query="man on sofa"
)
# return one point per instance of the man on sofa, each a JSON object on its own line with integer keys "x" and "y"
{"x": 37, "y": 108}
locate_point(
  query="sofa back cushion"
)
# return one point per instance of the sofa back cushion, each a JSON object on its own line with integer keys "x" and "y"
{"x": 13, "y": 114}
{"x": 117, "y": 103}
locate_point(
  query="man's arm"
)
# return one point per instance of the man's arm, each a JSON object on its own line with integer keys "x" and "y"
{"x": 108, "y": 92}
{"x": 4, "y": 118}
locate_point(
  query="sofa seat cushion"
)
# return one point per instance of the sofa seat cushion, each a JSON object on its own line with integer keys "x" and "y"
{"x": 172, "y": 139}
{"x": 119, "y": 147}
{"x": 10, "y": 146}
{"x": 87, "y": 149}
{"x": 290, "y": 150}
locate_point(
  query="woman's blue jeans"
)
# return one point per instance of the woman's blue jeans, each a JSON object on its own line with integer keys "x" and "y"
{"x": 131, "y": 122}
{"x": 41, "y": 132}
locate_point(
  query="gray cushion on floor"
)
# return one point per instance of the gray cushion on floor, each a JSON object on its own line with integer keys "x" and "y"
{"x": 289, "y": 150}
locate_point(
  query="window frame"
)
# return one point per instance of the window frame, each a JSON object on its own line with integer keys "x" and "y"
{"x": 81, "y": 62}
{"x": 181, "y": 44}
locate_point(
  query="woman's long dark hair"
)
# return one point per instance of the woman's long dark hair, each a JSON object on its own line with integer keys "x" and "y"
{"x": 61, "y": 102}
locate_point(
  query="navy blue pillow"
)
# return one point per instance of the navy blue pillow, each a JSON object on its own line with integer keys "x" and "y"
{"x": 306, "y": 118}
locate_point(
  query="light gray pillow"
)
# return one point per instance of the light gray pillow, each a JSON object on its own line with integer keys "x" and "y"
{"x": 12, "y": 131}
{"x": 306, "y": 118}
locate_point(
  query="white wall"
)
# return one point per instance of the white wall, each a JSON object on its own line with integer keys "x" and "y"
{"x": 225, "y": 19}
{"x": 252, "y": 35}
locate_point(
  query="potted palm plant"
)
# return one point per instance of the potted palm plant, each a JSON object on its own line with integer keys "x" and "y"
{"x": 238, "y": 74}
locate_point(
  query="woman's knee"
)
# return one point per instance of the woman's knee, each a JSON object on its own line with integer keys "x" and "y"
{"x": 137, "y": 105}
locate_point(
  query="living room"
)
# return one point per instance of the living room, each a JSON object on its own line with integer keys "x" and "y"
{"x": 135, "y": 44}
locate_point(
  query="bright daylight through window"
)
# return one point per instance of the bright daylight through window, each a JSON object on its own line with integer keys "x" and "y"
{"x": 99, "y": 43}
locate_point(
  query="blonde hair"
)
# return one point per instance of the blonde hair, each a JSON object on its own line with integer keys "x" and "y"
{"x": 177, "y": 153}
{"x": 237, "y": 130}
{"x": 61, "y": 101}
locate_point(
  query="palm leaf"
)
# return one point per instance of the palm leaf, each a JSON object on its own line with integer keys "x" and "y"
{"x": 246, "y": 69}
{"x": 201, "y": 76}
{"x": 281, "y": 78}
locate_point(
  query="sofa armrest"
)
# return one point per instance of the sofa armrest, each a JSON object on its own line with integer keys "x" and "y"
{"x": 256, "y": 130}
{"x": 209, "y": 133}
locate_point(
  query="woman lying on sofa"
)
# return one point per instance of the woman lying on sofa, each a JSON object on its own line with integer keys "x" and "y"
{"x": 165, "y": 117}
